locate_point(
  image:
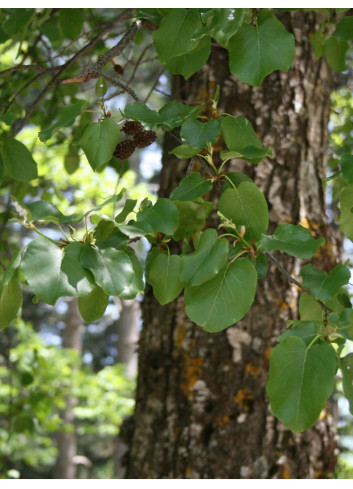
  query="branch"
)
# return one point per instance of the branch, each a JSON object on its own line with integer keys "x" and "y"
{"x": 120, "y": 84}
{"x": 17, "y": 128}
{"x": 95, "y": 71}
{"x": 25, "y": 67}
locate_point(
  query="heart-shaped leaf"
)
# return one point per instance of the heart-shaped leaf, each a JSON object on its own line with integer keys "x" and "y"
{"x": 301, "y": 379}
{"x": 225, "y": 299}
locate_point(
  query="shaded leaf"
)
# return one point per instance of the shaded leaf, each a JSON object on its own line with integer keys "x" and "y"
{"x": 294, "y": 240}
{"x": 161, "y": 217}
{"x": 323, "y": 285}
{"x": 66, "y": 118}
{"x": 257, "y": 50}
{"x": 174, "y": 36}
{"x": 18, "y": 161}
{"x": 191, "y": 187}
{"x": 112, "y": 269}
{"x": 206, "y": 261}
{"x": 189, "y": 63}
{"x": 99, "y": 141}
{"x": 93, "y": 305}
{"x": 163, "y": 275}
{"x": 301, "y": 379}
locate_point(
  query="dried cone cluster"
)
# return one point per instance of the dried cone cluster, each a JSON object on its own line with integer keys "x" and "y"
{"x": 141, "y": 139}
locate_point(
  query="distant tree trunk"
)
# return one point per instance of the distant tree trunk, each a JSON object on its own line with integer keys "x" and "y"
{"x": 128, "y": 333}
{"x": 201, "y": 405}
{"x": 67, "y": 441}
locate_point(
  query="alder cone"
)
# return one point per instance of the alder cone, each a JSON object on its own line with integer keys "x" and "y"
{"x": 124, "y": 149}
{"x": 132, "y": 127}
{"x": 145, "y": 138}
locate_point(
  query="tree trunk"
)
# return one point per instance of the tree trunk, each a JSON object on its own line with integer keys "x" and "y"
{"x": 201, "y": 405}
{"x": 66, "y": 467}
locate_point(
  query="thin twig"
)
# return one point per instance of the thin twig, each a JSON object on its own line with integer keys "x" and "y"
{"x": 23, "y": 67}
{"x": 120, "y": 84}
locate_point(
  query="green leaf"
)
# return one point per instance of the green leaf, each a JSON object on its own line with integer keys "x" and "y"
{"x": 10, "y": 301}
{"x": 129, "y": 206}
{"x": 174, "y": 36}
{"x": 162, "y": 217}
{"x": 306, "y": 330}
{"x": 245, "y": 206}
{"x": 346, "y": 207}
{"x": 257, "y": 50}
{"x": 17, "y": 21}
{"x": 93, "y": 305}
{"x": 261, "y": 265}
{"x": 198, "y": 134}
{"x": 310, "y": 309}
{"x": 207, "y": 261}
{"x": 184, "y": 151}
{"x": 335, "y": 52}
{"x": 192, "y": 217}
{"x": 242, "y": 141}
{"x": 347, "y": 167}
{"x": 112, "y": 269}
{"x": 346, "y": 366}
{"x": 10, "y": 269}
{"x": 135, "y": 229}
{"x": 18, "y": 161}
{"x": 79, "y": 282}
{"x": 173, "y": 114}
{"x": 222, "y": 23}
{"x": 115, "y": 239}
{"x": 137, "y": 285}
{"x": 101, "y": 87}
{"x": 301, "y": 379}
{"x": 140, "y": 112}
{"x": 163, "y": 275}
{"x": 42, "y": 210}
{"x": 344, "y": 29}
{"x": 189, "y": 63}
{"x": 225, "y": 299}
{"x": 250, "y": 153}
{"x": 52, "y": 272}
{"x": 323, "y": 285}
{"x": 236, "y": 178}
{"x": 66, "y": 118}
{"x": 71, "y": 21}
{"x": 294, "y": 240}
{"x": 191, "y": 187}
{"x": 99, "y": 141}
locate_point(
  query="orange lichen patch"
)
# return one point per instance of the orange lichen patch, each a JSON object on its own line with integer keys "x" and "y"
{"x": 244, "y": 398}
{"x": 325, "y": 253}
{"x": 221, "y": 420}
{"x": 288, "y": 219}
{"x": 252, "y": 369}
{"x": 180, "y": 335}
{"x": 286, "y": 472}
{"x": 268, "y": 352}
{"x": 191, "y": 373}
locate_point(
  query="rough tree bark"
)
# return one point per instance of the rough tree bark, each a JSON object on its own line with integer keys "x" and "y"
{"x": 201, "y": 406}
